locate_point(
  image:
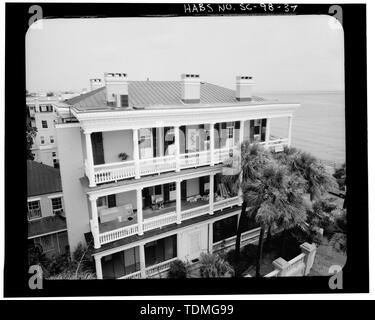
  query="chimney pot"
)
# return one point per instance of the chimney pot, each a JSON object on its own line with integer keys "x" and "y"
{"x": 244, "y": 88}
{"x": 96, "y": 83}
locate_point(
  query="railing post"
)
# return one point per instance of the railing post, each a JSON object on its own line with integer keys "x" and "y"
{"x": 90, "y": 159}
{"x": 177, "y": 146}
{"x": 136, "y": 152}
{"x": 242, "y": 129}
{"x": 268, "y": 131}
{"x": 210, "y": 236}
{"x": 211, "y": 195}
{"x": 212, "y": 144}
{"x": 139, "y": 211}
{"x": 94, "y": 222}
{"x": 290, "y": 120}
{"x": 142, "y": 260}
{"x": 98, "y": 267}
{"x": 309, "y": 250}
{"x": 178, "y": 201}
{"x": 281, "y": 265}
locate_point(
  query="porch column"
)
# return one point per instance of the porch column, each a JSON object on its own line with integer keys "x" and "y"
{"x": 212, "y": 144}
{"x": 211, "y": 193}
{"x": 161, "y": 142}
{"x": 290, "y": 119}
{"x": 98, "y": 267}
{"x": 268, "y": 130}
{"x": 89, "y": 160}
{"x": 242, "y": 130}
{"x": 177, "y": 146}
{"x": 139, "y": 212}
{"x": 178, "y": 201}
{"x": 142, "y": 260}
{"x": 136, "y": 152}
{"x": 94, "y": 222}
{"x": 210, "y": 236}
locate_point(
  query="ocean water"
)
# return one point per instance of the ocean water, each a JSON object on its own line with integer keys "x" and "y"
{"x": 318, "y": 125}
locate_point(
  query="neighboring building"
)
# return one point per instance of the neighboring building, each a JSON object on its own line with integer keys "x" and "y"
{"x": 142, "y": 165}
{"x": 46, "y": 214}
{"x": 43, "y": 117}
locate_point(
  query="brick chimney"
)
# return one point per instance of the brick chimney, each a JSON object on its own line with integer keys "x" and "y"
{"x": 244, "y": 88}
{"x": 190, "y": 88}
{"x": 95, "y": 84}
{"x": 117, "y": 89}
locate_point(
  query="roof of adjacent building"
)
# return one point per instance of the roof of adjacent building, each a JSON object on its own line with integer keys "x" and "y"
{"x": 46, "y": 225}
{"x": 146, "y": 94}
{"x": 42, "y": 179}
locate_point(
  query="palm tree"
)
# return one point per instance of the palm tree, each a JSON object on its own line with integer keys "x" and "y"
{"x": 253, "y": 159}
{"x": 276, "y": 199}
{"x": 318, "y": 180}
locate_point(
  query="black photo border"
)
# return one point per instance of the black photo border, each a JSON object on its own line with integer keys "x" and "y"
{"x": 16, "y": 276}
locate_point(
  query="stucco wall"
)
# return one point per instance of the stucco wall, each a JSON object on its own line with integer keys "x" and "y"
{"x": 192, "y": 187}
{"x": 127, "y": 197}
{"x": 72, "y": 169}
{"x": 116, "y": 142}
{"x": 46, "y": 203}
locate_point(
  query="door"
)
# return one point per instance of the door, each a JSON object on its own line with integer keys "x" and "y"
{"x": 146, "y": 143}
{"x": 172, "y": 191}
{"x": 193, "y": 242}
{"x": 97, "y": 147}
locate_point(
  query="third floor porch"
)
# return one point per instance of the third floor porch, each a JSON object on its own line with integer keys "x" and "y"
{"x": 112, "y": 156}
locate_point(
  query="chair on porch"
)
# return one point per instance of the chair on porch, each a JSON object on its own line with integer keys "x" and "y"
{"x": 157, "y": 201}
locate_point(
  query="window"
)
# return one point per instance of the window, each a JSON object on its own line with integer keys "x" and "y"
{"x": 46, "y": 108}
{"x": 42, "y": 140}
{"x": 160, "y": 250}
{"x": 124, "y": 100}
{"x": 172, "y": 186}
{"x": 121, "y": 263}
{"x": 34, "y": 211}
{"x": 224, "y": 229}
{"x": 57, "y": 207}
{"x": 53, "y": 154}
{"x": 56, "y": 163}
{"x": 47, "y": 243}
{"x": 102, "y": 202}
{"x": 51, "y": 139}
{"x": 44, "y": 124}
{"x": 230, "y": 128}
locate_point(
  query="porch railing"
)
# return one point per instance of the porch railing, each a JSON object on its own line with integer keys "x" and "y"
{"x": 246, "y": 238}
{"x": 194, "y": 159}
{"x": 116, "y": 234}
{"x": 159, "y": 268}
{"x": 159, "y": 221}
{"x": 195, "y": 212}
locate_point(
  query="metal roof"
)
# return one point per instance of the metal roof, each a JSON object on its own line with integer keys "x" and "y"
{"x": 42, "y": 179}
{"x": 146, "y": 94}
{"x": 45, "y": 225}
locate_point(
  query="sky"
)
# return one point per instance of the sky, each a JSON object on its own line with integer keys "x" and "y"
{"x": 282, "y": 53}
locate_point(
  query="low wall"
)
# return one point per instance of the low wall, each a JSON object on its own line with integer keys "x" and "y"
{"x": 297, "y": 267}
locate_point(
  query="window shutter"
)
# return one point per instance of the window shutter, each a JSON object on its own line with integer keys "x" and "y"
{"x": 154, "y": 141}
{"x": 251, "y": 130}
{"x": 263, "y": 130}
{"x": 183, "y": 190}
{"x": 166, "y": 192}
{"x": 111, "y": 201}
{"x": 97, "y": 147}
{"x": 237, "y": 125}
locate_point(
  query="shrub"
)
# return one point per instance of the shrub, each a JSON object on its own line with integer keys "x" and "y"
{"x": 178, "y": 270}
{"x": 213, "y": 266}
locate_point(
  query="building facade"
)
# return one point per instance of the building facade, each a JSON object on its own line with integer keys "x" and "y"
{"x": 45, "y": 210}
{"x": 142, "y": 166}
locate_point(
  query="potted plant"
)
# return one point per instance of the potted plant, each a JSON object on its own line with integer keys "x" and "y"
{"x": 123, "y": 156}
